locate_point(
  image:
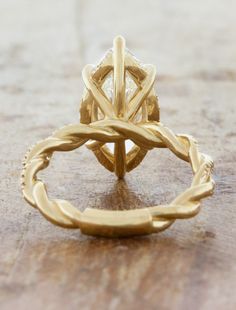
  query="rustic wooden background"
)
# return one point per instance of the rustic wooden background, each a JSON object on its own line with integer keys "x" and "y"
{"x": 43, "y": 48}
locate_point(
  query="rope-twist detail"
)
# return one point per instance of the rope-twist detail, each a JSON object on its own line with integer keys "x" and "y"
{"x": 147, "y": 136}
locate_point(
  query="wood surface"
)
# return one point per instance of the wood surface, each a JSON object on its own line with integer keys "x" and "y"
{"x": 43, "y": 48}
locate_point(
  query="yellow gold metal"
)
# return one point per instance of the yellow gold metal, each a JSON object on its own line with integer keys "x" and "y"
{"x": 105, "y": 120}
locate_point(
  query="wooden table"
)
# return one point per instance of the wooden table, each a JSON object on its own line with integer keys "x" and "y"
{"x": 43, "y": 48}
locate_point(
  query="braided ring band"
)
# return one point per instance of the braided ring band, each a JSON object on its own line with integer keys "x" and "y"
{"x": 117, "y": 223}
{"x": 126, "y": 110}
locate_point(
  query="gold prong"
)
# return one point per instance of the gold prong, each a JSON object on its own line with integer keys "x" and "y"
{"x": 119, "y": 76}
{"x": 119, "y": 101}
{"x": 102, "y": 101}
{"x": 146, "y": 87}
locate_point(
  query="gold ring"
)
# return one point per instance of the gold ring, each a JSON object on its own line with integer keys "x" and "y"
{"x": 119, "y": 104}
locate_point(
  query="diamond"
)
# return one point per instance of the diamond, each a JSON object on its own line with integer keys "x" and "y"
{"x": 108, "y": 86}
{"x": 130, "y": 86}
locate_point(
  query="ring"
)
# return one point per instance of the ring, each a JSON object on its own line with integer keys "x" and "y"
{"x": 118, "y": 104}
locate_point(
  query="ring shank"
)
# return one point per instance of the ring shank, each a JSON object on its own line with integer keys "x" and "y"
{"x": 117, "y": 223}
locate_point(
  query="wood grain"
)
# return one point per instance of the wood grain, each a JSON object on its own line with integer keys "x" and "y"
{"x": 43, "y": 48}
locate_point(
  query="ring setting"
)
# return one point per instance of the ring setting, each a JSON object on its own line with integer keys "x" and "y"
{"x": 119, "y": 104}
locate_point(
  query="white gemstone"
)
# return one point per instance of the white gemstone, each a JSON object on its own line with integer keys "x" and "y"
{"x": 128, "y": 146}
{"x": 107, "y": 86}
{"x": 130, "y": 86}
{"x": 108, "y": 53}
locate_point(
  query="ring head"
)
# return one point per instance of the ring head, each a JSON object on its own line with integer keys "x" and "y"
{"x": 119, "y": 87}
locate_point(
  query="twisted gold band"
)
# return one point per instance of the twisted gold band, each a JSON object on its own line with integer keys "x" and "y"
{"x": 117, "y": 223}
